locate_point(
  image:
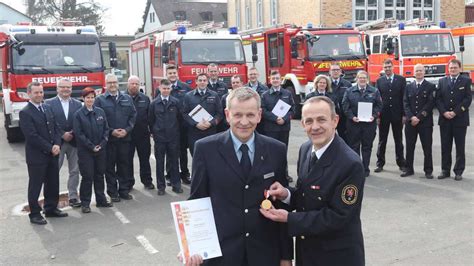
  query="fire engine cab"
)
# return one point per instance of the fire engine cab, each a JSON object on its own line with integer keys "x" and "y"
{"x": 44, "y": 54}
{"x": 464, "y": 41}
{"x": 407, "y": 44}
{"x": 300, "y": 54}
{"x": 191, "y": 51}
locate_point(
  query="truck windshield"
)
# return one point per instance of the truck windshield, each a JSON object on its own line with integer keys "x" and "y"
{"x": 427, "y": 44}
{"x": 57, "y": 54}
{"x": 337, "y": 47}
{"x": 215, "y": 51}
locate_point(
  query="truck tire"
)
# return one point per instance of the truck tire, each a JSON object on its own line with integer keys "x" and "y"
{"x": 14, "y": 134}
{"x": 297, "y": 100}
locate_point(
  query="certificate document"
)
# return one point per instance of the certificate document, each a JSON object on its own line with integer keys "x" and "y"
{"x": 199, "y": 113}
{"x": 196, "y": 229}
{"x": 281, "y": 108}
{"x": 364, "y": 111}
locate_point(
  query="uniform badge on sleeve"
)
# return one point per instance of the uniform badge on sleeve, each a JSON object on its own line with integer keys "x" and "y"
{"x": 349, "y": 194}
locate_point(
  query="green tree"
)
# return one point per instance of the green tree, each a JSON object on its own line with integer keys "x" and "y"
{"x": 88, "y": 12}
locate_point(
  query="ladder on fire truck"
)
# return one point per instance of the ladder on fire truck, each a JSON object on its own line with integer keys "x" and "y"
{"x": 385, "y": 23}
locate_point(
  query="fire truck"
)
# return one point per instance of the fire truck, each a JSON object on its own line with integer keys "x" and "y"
{"x": 300, "y": 54}
{"x": 191, "y": 51}
{"x": 464, "y": 42}
{"x": 44, "y": 54}
{"x": 407, "y": 44}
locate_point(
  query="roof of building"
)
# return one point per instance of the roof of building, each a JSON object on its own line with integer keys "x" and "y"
{"x": 16, "y": 11}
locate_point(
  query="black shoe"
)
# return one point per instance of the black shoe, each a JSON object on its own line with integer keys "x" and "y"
{"x": 407, "y": 173}
{"x": 378, "y": 169}
{"x": 150, "y": 186}
{"x": 105, "y": 205}
{"x": 429, "y": 176}
{"x": 177, "y": 190}
{"x": 403, "y": 169}
{"x": 161, "y": 192}
{"x": 185, "y": 180}
{"x": 56, "y": 213}
{"x": 126, "y": 196}
{"x": 290, "y": 179}
{"x": 38, "y": 220}
{"x": 167, "y": 177}
{"x": 168, "y": 183}
{"x": 75, "y": 203}
{"x": 115, "y": 199}
{"x": 86, "y": 209}
{"x": 443, "y": 176}
{"x": 458, "y": 177}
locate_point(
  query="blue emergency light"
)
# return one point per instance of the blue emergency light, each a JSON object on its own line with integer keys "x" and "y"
{"x": 401, "y": 26}
{"x": 309, "y": 25}
{"x": 442, "y": 24}
{"x": 19, "y": 30}
{"x": 233, "y": 30}
{"x": 181, "y": 30}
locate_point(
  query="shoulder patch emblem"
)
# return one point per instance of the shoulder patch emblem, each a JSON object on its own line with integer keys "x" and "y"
{"x": 349, "y": 194}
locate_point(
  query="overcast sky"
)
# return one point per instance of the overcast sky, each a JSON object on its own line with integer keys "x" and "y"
{"x": 121, "y": 17}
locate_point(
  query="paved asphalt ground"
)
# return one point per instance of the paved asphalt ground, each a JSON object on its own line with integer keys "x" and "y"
{"x": 406, "y": 221}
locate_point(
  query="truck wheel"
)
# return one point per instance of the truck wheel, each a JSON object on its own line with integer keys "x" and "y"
{"x": 297, "y": 100}
{"x": 14, "y": 134}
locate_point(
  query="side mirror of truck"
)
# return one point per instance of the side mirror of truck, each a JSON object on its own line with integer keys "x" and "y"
{"x": 254, "y": 52}
{"x": 165, "y": 49}
{"x": 113, "y": 55}
{"x": 461, "y": 43}
{"x": 367, "y": 44}
{"x": 395, "y": 49}
{"x": 293, "y": 45}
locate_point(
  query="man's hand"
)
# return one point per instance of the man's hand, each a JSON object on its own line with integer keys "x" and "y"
{"x": 280, "y": 121}
{"x": 371, "y": 119}
{"x": 97, "y": 148}
{"x": 194, "y": 260}
{"x": 116, "y": 133}
{"x": 355, "y": 119}
{"x": 414, "y": 121}
{"x": 55, "y": 150}
{"x": 276, "y": 215}
{"x": 449, "y": 115}
{"x": 277, "y": 191}
{"x": 201, "y": 125}
{"x": 286, "y": 263}
{"x": 68, "y": 136}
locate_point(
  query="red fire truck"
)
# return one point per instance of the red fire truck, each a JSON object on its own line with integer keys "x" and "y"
{"x": 464, "y": 41}
{"x": 191, "y": 51}
{"x": 300, "y": 54}
{"x": 407, "y": 44}
{"x": 44, "y": 54}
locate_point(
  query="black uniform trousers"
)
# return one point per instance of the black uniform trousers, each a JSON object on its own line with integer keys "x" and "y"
{"x": 116, "y": 177}
{"x": 183, "y": 153}
{"x": 195, "y": 136}
{"x": 143, "y": 147}
{"x": 47, "y": 174}
{"x": 384, "y": 128}
{"x": 426, "y": 139}
{"x": 92, "y": 167}
{"x": 170, "y": 150}
{"x": 361, "y": 138}
{"x": 449, "y": 132}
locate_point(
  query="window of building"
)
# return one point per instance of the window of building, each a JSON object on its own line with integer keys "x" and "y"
{"x": 365, "y": 11}
{"x": 224, "y": 16}
{"x": 152, "y": 17}
{"x": 423, "y": 9}
{"x": 179, "y": 15}
{"x": 259, "y": 13}
{"x": 376, "y": 45}
{"x": 273, "y": 12}
{"x": 237, "y": 14}
{"x": 206, "y": 16}
{"x": 247, "y": 17}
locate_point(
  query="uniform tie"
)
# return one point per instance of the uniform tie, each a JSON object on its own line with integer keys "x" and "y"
{"x": 165, "y": 101}
{"x": 245, "y": 160}
{"x": 40, "y": 108}
{"x": 453, "y": 81}
{"x": 312, "y": 161}
{"x": 173, "y": 86}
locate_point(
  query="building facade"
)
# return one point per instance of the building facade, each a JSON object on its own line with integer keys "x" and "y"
{"x": 9, "y": 15}
{"x": 251, "y": 14}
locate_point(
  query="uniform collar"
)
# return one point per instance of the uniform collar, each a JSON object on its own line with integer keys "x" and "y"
{"x": 320, "y": 152}
{"x": 237, "y": 143}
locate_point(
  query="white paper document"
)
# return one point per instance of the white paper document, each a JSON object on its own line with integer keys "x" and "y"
{"x": 199, "y": 113}
{"x": 196, "y": 228}
{"x": 364, "y": 111}
{"x": 281, "y": 108}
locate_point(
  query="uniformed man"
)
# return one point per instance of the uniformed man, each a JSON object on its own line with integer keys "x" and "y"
{"x": 453, "y": 99}
{"x": 209, "y": 101}
{"x": 328, "y": 195}
{"x": 179, "y": 90}
{"x": 214, "y": 83}
{"x": 418, "y": 103}
{"x": 42, "y": 148}
{"x": 164, "y": 118}
{"x": 391, "y": 88}
{"x": 121, "y": 116}
{"x": 361, "y": 134}
{"x": 339, "y": 87}
{"x": 140, "y": 139}
{"x": 64, "y": 107}
{"x": 92, "y": 132}
{"x": 277, "y": 127}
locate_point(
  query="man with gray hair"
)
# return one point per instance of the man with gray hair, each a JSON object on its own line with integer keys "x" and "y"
{"x": 234, "y": 169}
{"x": 214, "y": 83}
{"x": 64, "y": 107}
